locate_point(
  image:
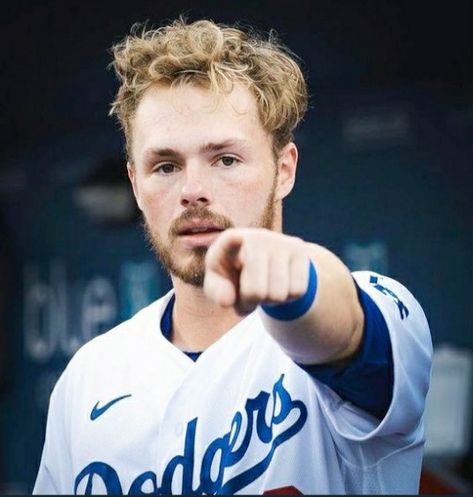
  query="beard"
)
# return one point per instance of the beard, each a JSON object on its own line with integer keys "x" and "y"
{"x": 193, "y": 272}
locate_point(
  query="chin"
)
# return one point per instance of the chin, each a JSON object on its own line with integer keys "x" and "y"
{"x": 192, "y": 272}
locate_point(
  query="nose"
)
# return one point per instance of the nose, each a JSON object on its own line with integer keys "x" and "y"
{"x": 195, "y": 190}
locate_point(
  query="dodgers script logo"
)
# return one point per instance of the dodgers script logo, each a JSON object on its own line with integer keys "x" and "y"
{"x": 222, "y": 451}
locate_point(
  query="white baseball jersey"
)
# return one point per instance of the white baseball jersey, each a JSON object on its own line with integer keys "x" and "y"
{"x": 133, "y": 414}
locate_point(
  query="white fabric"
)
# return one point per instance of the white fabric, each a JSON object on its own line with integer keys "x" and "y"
{"x": 253, "y": 420}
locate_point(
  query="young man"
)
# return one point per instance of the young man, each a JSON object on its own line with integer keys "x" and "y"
{"x": 269, "y": 368}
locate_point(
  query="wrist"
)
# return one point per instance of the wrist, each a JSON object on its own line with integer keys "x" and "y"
{"x": 288, "y": 311}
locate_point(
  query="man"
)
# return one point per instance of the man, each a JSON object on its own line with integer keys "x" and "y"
{"x": 269, "y": 368}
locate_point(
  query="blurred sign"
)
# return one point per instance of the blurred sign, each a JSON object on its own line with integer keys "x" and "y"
{"x": 373, "y": 128}
{"x": 61, "y": 312}
{"x": 449, "y": 402}
{"x": 370, "y": 256}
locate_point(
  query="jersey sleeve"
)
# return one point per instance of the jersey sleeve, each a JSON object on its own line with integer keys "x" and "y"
{"x": 368, "y": 380}
{"x": 54, "y": 474}
{"x": 411, "y": 353}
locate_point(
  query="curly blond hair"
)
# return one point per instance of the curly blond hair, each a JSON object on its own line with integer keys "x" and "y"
{"x": 214, "y": 56}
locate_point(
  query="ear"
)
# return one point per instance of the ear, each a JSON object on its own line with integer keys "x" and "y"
{"x": 132, "y": 176}
{"x": 287, "y": 164}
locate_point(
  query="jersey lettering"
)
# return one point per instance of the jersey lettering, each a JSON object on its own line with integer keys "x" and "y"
{"x": 403, "y": 310}
{"x": 222, "y": 451}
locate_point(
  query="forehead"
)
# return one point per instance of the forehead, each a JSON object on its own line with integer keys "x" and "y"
{"x": 182, "y": 115}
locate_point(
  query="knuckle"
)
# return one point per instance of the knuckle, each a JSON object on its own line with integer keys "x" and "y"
{"x": 296, "y": 240}
{"x": 279, "y": 295}
{"x": 298, "y": 286}
{"x": 300, "y": 246}
{"x": 254, "y": 295}
{"x": 296, "y": 292}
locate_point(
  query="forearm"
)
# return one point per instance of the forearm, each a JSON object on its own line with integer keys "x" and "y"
{"x": 331, "y": 330}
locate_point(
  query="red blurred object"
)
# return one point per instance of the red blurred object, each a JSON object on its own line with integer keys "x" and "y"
{"x": 283, "y": 491}
{"x": 433, "y": 484}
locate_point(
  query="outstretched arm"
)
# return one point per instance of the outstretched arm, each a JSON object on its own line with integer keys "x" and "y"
{"x": 249, "y": 267}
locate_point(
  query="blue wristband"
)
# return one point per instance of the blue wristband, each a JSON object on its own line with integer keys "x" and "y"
{"x": 297, "y": 308}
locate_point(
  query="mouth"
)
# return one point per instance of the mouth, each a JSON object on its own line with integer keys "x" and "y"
{"x": 199, "y": 228}
{"x": 198, "y": 233}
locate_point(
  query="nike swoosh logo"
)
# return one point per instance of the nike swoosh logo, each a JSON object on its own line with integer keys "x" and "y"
{"x": 98, "y": 411}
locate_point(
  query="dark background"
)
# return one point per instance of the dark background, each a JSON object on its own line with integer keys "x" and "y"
{"x": 385, "y": 176}
{"x": 55, "y": 52}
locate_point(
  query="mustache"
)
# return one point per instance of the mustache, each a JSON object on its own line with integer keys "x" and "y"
{"x": 201, "y": 213}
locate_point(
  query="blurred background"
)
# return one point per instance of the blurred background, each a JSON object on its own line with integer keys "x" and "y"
{"x": 384, "y": 181}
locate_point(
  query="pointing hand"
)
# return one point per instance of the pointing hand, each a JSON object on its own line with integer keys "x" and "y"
{"x": 245, "y": 267}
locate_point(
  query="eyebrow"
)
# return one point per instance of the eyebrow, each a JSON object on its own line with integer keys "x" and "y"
{"x": 213, "y": 147}
{"x": 208, "y": 147}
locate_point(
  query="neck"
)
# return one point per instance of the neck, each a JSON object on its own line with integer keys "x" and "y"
{"x": 197, "y": 322}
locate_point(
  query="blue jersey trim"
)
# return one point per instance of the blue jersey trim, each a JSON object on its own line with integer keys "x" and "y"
{"x": 367, "y": 382}
{"x": 369, "y": 379}
{"x": 166, "y": 326}
{"x": 166, "y": 319}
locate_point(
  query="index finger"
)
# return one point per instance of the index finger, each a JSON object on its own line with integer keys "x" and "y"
{"x": 223, "y": 255}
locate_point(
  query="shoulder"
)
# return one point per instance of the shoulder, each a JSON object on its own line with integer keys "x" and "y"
{"x": 392, "y": 298}
{"x": 411, "y": 344}
{"x": 119, "y": 343}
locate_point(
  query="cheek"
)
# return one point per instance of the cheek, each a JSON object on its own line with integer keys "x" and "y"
{"x": 155, "y": 206}
{"x": 149, "y": 202}
{"x": 246, "y": 196}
